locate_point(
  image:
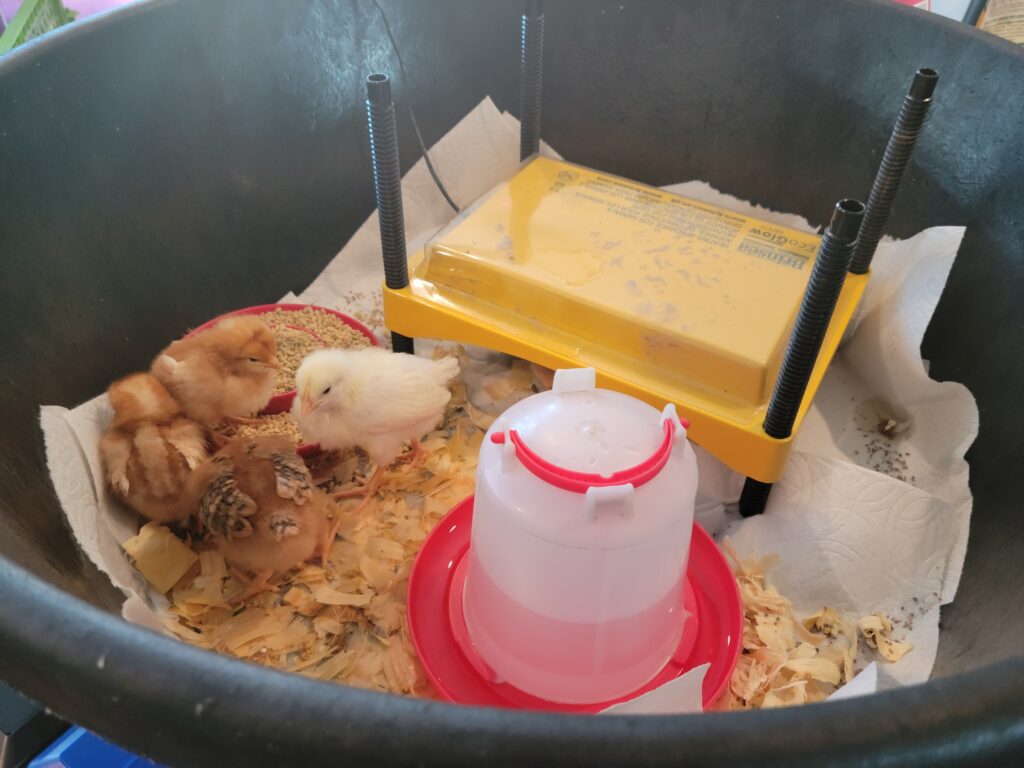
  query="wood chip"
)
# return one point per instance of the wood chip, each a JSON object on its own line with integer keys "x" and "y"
{"x": 160, "y": 556}
{"x": 814, "y": 669}
{"x": 329, "y": 596}
{"x": 877, "y": 631}
{"x": 787, "y": 661}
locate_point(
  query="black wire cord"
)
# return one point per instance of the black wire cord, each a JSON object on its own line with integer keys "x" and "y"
{"x": 412, "y": 115}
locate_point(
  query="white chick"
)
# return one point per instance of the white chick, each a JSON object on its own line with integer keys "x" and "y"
{"x": 371, "y": 398}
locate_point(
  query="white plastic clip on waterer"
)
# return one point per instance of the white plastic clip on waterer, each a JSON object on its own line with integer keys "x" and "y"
{"x": 508, "y": 448}
{"x": 601, "y": 501}
{"x": 669, "y": 414}
{"x": 574, "y": 380}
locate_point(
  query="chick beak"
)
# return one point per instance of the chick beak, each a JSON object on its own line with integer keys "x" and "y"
{"x": 308, "y": 406}
{"x": 274, "y": 363}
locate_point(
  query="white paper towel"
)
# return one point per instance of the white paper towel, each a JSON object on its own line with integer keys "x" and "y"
{"x": 862, "y": 684}
{"x": 857, "y": 539}
{"x": 684, "y": 695}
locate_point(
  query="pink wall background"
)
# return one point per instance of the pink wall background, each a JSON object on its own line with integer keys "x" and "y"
{"x": 84, "y": 7}
{"x": 954, "y": 9}
{"x": 89, "y": 7}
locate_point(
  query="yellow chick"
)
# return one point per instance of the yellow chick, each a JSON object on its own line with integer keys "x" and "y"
{"x": 371, "y": 398}
{"x": 150, "y": 449}
{"x": 258, "y": 501}
{"x": 224, "y": 372}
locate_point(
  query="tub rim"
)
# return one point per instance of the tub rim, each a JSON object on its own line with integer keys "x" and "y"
{"x": 73, "y": 656}
{"x": 138, "y": 687}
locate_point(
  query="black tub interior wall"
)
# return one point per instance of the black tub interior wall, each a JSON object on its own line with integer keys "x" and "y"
{"x": 182, "y": 158}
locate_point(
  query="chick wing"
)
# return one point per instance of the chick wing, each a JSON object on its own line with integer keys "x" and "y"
{"x": 293, "y": 479}
{"x": 397, "y": 393}
{"x": 223, "y": 508}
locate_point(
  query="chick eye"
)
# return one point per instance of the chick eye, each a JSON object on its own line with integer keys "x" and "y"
{"x": 254, "y": 359}
{"x": 327, "y": 390}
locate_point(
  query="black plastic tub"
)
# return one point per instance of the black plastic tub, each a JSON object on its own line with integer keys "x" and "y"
{"x": 175, "y": 160}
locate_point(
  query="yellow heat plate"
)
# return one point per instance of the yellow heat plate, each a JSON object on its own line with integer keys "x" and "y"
{"x": 670, "y": 300}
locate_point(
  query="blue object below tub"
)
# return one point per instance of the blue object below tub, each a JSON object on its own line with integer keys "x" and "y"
{"x": 80, "y": 749}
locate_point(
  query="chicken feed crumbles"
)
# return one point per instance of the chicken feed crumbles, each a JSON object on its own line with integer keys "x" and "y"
{"x": 301, "y": 331}
{"x": 278, "y": 424}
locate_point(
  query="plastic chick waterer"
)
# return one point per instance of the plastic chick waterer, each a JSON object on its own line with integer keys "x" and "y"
{"x": 576, "y": 577}
{"x": 578, "y": 553}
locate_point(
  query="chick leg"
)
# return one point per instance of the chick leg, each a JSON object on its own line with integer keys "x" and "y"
{"x": 367, "y": 491}
{"x": 351, "y": 493}
{"x": 415, "y": 455}
{"x": 328, "y": 542}
{"x": 259, "y": 583}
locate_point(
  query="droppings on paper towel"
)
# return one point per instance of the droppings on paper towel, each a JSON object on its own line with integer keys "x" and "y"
{"x": 877, "y": 630}
{"x": 882, "y": 434}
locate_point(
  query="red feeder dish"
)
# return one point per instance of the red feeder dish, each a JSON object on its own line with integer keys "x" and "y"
{"x": 283, "y": 402}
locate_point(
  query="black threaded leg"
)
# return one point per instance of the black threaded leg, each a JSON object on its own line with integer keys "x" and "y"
{"x": 387, "y": 185}
{"x": 754, "y": 497}
{"x": 823, "y": 289}
{"x": 530, "y": 73}
{"x": 387, "y": 179}
{"x": 897, "y": 154}
{"x": 400, "y": 343}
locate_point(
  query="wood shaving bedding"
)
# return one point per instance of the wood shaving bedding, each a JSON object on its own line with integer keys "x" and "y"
{"x": 346, "y": 623}
{"x": 786, "y": 660}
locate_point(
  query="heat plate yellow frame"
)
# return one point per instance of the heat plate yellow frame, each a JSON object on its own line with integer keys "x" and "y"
{"x": 538, "y": 295}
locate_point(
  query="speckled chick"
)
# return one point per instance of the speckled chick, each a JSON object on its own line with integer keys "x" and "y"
{"x": 258, "y": 501}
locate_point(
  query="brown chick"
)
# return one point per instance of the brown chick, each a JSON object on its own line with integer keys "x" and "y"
{"x": 150, "y": 449}
{"x": 258, "y": 500}
{"x": 224, "y": 372}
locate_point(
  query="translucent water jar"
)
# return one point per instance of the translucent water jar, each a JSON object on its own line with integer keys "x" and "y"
{"x": 580, "y": 537}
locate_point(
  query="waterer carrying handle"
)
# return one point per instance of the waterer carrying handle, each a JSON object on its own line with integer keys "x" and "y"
{"x": 581, "y": 482}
